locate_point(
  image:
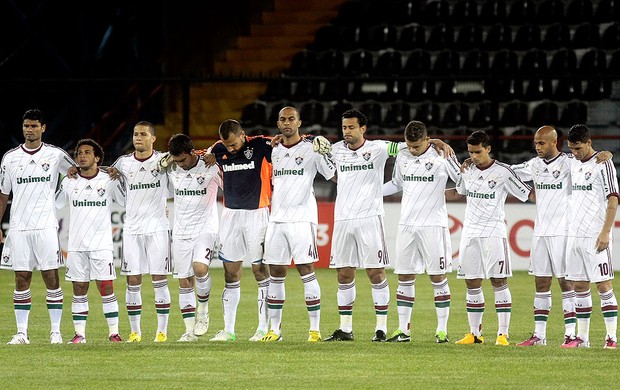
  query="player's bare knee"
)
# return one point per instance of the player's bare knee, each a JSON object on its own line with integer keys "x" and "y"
{"x": 499, "y": 282}
{"x": 50, "y": 278}
{"x": 106, "y": 287}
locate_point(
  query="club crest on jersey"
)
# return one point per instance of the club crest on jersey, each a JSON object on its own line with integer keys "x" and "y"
{"x": 492, "y": 183}
{"x": 101, "y": 191}
{"x": 200, "y": 179}
{"x": 6, "y": 258}
{"x": 587, "y": 175}
{"x": 366, "y": 156}
{"x": 428, "y": 166}
{"x": 248, "y": 153}
{"x": 556, "y": 174}
{"x": 154, "y": 172}
{"x": 299, "y": 160}
{"x": 45, "y": 166}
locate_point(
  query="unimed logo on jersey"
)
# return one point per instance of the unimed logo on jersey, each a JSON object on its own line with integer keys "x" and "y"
{"x": 414, "y": 178}
{"x": 361, "y": 167}
{"x": 284, "y": 172}
{"x": 30, "y": 179}
{"x": 144, "y": 186}
{"x": 543, "y": 186}
{"x": 238, "y": 167}
{"x": 480, "y": 195}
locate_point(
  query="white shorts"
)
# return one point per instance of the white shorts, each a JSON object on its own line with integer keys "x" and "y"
{"x": 27, "y": 250}
{"x": 145, "y": 254}
{"x": 186, "y": 251}
{"x": 484, "y": 258}
{"x": 87, "y": 266}
{"x": 286, "y": 241}
{"x": 420, "y": 249}
{"x": 584, "y": 264}
{"x": 548, "y": 256}
{"x": 242, "y": 235}
{"x": 359, "y": 243}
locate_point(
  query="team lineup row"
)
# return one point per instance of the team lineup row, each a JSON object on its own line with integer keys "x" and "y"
{"x": 270, "y": 217}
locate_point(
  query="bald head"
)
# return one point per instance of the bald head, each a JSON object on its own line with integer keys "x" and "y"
{"x": 546, "y": 142}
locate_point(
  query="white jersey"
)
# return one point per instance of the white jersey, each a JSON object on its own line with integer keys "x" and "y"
{"x": 423, "y": 181}
{"x": 147, "y": 191}
{"x": 552, "y": 183}
{"x": 33, "y": 176}
{"x": 486, "y": 191}
{"x": 592, "y": 184}
{"x": 90, "y": 201}
{"x": 195, "y": 200}
{"x": 360, "y": 179}
{"x": 294, "y": 169}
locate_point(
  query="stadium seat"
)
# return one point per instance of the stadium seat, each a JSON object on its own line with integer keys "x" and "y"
{"x": 505, "y": 62}
{"x": 331, "y": 63}
{"x": 527, "y": 37}
{"x": 421, "y": 90}
{"x": 521, "y": 11}
{"x": 533, "y": 63}
{"x": 476, "y": 63}
{"x": 398, "y": 115}
{"x": 578, "y": 11}
{"x": 515, "y": 114}
{"x": 607, "y": 11}
{"x": 550, "y": 11}
{"x": 611, "y": 37}
{"x": 366, "y": 90}
{"x": 563, "y": 62}
{"x": 499, "y": 36}
{"x": 567, "y": 89}
{"x": 418, "y": 63}
{"x": 613, "y": 68}
{"x": 411, "y": 38}
{"x": 306, "y": 90}
{"x": 557, "y": 36}
{"x": 456, "y": 114}
{"x": 277, "y": 89}
{"x": 469, "y": 37}
{"x": 573, "y": 113}
{"x": 312, "y": 113}
{"x": 352, "y": 38}
{"x": 334, "y": 114}
{"x": 335, "y": 90}
{"x": 492, "y": 11}
{"x": 373, "y": 112}
{"x": 586, "y": 35}
{"x": 520, "y": 146}
{"x": 594, "y": 61}
{"x": 538, "y": 89}
{"x": 447, "y": 62}
{"x": 361, "y": 62}
{"x": 485, "y": 114}
{"x": 389, "y": 63}
{"x": 436, "y": 11}
{"x": 254, "y": 114}
{"x": 428, "y": 113}
{"x": 381, "y": 37}
{"x": 504, "y": 89}
{"x": 440, "y": 37}
{"x": 403, "y": 12}
{"x": 545, "y": 113}
{"x": 448, "y": 92}
{"x": 464, "y": 11}
{"x": 597, "y": 89}
{"x": 396, "y": 89}
{"x": 302, "y": 64}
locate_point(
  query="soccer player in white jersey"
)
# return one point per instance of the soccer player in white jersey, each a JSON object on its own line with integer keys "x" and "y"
{"x": 483, "y": 251}
{"x": 31, "y": 171}
{"x": 358, "y": 239}
{"x": 593, "y": 205}
{"x": 423, "y": 238}
{"x": 550, "y": 174}
{"x": 194, "y": 233}
{"x": 146, "y": 241}
{"x": 90, "y": 249}
{"x": 292, "y": 229}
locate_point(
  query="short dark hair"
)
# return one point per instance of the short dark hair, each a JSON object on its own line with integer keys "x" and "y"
{"x": 179, "y": 144}
{"x": 479, "y": 138}
{"x": 361, "y": 118}
{"x": 96, "y": 147}
{"x": 229, "y": 126}
{"x": 149, "y": 125}
{"x": 578, "y": 133}
{"x": 34, "y": 114}
{"x": 415, "y": 131}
